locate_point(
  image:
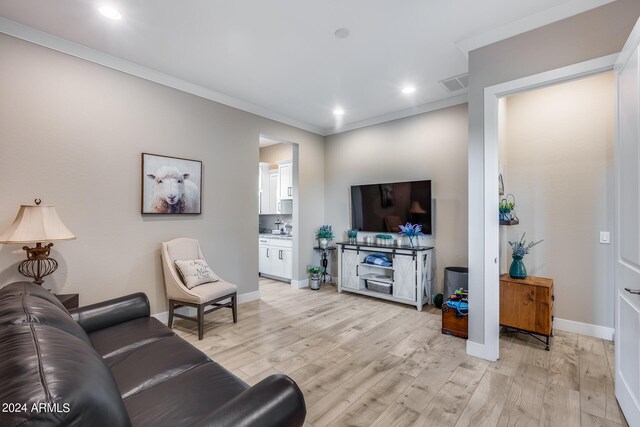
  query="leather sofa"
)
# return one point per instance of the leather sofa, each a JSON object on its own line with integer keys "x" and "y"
{"x": 111, "y": 364}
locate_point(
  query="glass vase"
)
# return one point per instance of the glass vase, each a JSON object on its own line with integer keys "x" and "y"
{"x": 517, "y": 269}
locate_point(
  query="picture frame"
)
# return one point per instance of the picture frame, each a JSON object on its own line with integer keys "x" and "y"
{"x": 170, "y": 185}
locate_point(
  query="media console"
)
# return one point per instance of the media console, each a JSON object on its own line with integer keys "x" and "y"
{"x": 411, "y": 274}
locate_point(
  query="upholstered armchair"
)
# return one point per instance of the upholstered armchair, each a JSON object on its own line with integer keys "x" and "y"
{"x": 212, "y": 295}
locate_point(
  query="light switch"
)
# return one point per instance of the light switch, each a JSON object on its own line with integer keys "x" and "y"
{"x": 604, "y": 237}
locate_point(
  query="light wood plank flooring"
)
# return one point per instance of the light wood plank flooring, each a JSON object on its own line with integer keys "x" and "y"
{"x": 365, "y": 362}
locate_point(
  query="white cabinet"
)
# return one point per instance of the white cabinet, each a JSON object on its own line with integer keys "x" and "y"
{"x": 273, "y": 193}
{"x": 285, "y": 170}
{"x": 349, "y": 269}
{"x": 276, "y": 257}
{"x": 404, "y": 277}
{"x": 268, "y": 183}
{"x": 264, "y": 263}
{"x": 410, "y": 275}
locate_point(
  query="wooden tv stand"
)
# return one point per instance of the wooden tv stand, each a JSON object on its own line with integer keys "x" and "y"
{"x": 411, "y": 275}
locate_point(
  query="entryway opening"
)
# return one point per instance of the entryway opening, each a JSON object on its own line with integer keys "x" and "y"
{"x": 277, "y": 210}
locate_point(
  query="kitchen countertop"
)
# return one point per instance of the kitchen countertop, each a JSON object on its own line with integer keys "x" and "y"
{"x": 275, "y": 236}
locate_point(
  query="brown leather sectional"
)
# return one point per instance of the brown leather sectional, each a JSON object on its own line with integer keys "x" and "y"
{"x": 111, "y": 364}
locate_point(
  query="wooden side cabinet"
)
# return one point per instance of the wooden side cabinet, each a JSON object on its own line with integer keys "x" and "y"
{"x": 527, "y": 305}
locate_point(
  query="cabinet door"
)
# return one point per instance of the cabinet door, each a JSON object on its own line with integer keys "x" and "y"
{"x": 287, "y": 263}
{"x": 277, "y": 262}
{"x": 404, "y": 277}
{"x": 286, "y": 181}
{"x": 264, "y": 263}
{"x": 349, "y": 270}
{"x": 273, "y": 193}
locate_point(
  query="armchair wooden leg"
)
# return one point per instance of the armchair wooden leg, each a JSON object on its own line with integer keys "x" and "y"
{"x": 170, "y": 322}
{"x": 234, "y": 308}
{"x": 200, "y": 321}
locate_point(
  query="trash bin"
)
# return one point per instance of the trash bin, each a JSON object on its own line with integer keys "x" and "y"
{"x": 455, "y": 278}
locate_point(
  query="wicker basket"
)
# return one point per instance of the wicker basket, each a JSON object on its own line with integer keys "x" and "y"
{"x": 380, "y": 287}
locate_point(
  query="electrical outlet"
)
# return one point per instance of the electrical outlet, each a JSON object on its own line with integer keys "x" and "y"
{"x": 604, "y": 237}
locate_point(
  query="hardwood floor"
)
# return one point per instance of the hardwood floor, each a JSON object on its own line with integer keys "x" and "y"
{"x": 365, "y": 362}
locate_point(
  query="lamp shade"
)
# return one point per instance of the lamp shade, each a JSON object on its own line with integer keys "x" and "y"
{"x": 36, "y": 223}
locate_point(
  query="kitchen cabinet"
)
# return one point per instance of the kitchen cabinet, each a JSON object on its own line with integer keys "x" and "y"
{"x": 268, "y": 202}
{"x": 276, "y": 257}
{"x": 285, "y": 170}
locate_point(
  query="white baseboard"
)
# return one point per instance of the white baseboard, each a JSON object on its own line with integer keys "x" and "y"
{"x": 191, "y": 311}
{"x": 595, "y": 331}
{"x": 299, "y": 284}
{"x": 480, "y": 350}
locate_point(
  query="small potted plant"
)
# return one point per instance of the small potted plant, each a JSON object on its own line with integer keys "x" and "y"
{"x": 411, "y": 231}
{"x": 506, "y": 207}
{"x": 315, "y": 271}
{"x": 384, "y": 239}
{"x": 520, "y": 249}
{"x": 352, "y": 235}
{"x": 324, "y": 234}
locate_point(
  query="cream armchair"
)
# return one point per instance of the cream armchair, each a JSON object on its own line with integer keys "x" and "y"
{"x": 210, "y": 294}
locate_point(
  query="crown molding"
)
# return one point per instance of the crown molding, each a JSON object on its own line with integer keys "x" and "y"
{"x": 546, "y": 17}
{"x": 41, "y": 38}
{"x": 424, "y": 108}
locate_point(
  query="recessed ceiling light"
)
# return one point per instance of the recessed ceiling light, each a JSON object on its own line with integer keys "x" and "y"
{"x": 110, "y": 13}
{"x": 408, "y": 89}
{"x": 342, "y": 33}
{"x": 338, "y": 111}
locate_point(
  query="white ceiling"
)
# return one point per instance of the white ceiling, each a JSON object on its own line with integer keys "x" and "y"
{"x": 280, "y": 58}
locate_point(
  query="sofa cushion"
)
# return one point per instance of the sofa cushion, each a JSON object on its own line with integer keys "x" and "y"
{"x": 153, "y": 363}
{"x": 127, "y": 336}
{"x": 61, "y": 375}
{"x": 28, "y": 288}
{"x": 29, "y": 307}
{"x": 201, "y": 389}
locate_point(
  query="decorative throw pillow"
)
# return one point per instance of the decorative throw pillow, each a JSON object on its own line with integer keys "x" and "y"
{"x": 195, "y": 272}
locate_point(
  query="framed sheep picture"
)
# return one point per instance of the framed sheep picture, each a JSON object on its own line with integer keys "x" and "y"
{"x": 171, "y": 185}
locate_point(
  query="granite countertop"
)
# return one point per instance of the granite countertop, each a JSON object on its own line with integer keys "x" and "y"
{"x": 275, "y": 236}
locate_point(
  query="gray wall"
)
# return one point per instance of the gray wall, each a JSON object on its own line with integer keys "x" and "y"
{"x": 432, "y": 146}
{"x": 559, "y": 163}
{"x": 590, "y": 35}
{"x": 273, "y": 153}
{"x": 72, "y": 133}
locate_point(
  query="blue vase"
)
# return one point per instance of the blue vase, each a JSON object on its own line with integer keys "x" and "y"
{"x": 517, "y": 269}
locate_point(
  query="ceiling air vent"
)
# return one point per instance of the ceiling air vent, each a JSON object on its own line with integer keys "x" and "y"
{"x": 456, "y": 83}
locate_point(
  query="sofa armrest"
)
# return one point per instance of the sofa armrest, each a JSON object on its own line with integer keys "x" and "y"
{"x": 275, "y": 401}
{"x": 111, "y": 312}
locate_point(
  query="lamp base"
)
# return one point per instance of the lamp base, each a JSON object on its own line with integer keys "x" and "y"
{"x": 38, "y": 264}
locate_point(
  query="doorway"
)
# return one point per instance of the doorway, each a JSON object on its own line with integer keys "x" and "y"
{"x": 490, "y": 349}
{"x": 277, "y": 210}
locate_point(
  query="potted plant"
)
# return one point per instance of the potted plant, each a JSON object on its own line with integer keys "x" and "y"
{"x": 352, "y": 235}
{"x": 324, "y": 234}
{"x": 411, "y": 231}
{"x": 520, "y": 249}
{"x": 315, "y": 271}
{"x": 505, "y": 207}
{"x": 384, "y": 239}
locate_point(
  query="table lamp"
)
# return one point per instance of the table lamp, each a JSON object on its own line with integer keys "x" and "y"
{"x": 37, "y": 224}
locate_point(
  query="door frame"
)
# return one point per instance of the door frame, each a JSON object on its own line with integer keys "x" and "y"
{"x": 492, "y": 94}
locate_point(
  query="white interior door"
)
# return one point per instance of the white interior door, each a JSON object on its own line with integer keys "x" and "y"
{"x": 627, "y": 245}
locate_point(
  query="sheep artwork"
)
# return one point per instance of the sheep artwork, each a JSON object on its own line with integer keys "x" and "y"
{"x": 173, "y": 192}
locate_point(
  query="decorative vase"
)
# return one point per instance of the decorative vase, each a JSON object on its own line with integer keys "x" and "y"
{"x": 410, "y": 241}
{"x": 517, "y": 269}
{"x": 353, "y": 240}
{"x": 314, "y": 283}
{"x": 323, "y": 243}
{"x": 505, "y": 216}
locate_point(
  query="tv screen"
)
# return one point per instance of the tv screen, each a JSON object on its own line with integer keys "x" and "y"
{"x": 384, "y": 207}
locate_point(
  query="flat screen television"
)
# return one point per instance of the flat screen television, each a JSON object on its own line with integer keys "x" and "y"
{"x": 384, "y": 207}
